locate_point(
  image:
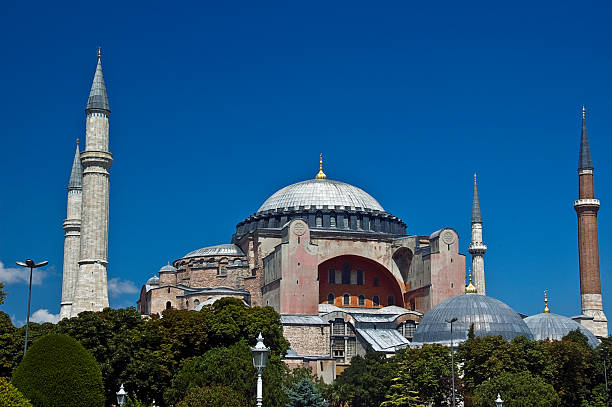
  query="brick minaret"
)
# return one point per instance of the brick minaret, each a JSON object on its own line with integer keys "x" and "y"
{"x": 72, "y": 235}
{"x": 91, "y": 293}
{"x": 477, "y": 249}
{"x": 588, "y": 247}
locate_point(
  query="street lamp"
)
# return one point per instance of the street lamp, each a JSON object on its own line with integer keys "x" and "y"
{"x": 452, "y": 356}
{"x": 604, "y": 355}
{"x": 32, "y": 265}
{"x": 260, "y": 360}
{"x": 121, "y": 396}
{"x": 499, "y": 402}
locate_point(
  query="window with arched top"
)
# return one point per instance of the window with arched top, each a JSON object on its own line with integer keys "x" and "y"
{"x": 319, "y": 221}
{"x": 346, "y": 299}
{"x": 331, "y": 298}
{"x": 361, "y": 300}
{"x": 196, "y": 302}
{"x": 346, "y": 221}
{"x": 332, "y": 221}
{"x": 390, "y": 300}
{"x": 168, "y": 305}
{"x": 375, "y": 301}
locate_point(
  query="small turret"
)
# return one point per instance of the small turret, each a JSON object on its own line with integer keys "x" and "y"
{"x": 546, "y": 309}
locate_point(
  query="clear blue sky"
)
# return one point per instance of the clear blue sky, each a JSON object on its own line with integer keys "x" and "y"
{"x": 216, "y": 106}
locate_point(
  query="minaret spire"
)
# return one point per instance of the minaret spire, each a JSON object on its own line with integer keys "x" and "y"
{"x": 477, "y": 249}
{"x": 76, "y": 175}
{"x": 98, "y": 98}
{"x": 587, "y": 206}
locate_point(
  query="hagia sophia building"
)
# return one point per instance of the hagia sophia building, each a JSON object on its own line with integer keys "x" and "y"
{"x": 342, "y": 272}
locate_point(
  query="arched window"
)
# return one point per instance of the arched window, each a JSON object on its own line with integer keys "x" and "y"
{"x": 362, "y": 300}
{"x": 319, "y": 221}
{"x": 332, "y": 221}
{"x": 168, "y": 305}
{"x": 330, "y": 298}
{"x": 196, "y": 302}
{"x": 375, "y": 301}
{"x": 346, "y": 221}
{"x": 346, "y": 299}
{"x": 390, "y": 300}
{"x": 359, "y": 222}
{"x": 187, "y": 304}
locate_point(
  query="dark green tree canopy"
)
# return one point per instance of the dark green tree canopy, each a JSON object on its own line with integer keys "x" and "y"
{"x": 305, "y": 394}
{"x": 58, "y": 371}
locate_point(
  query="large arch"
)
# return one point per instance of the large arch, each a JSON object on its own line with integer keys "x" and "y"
{"x": 357, "y": 275}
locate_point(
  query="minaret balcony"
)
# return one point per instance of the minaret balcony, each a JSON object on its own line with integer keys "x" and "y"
{"x": 587, "y": 203}
{"x": 477, "y": 248}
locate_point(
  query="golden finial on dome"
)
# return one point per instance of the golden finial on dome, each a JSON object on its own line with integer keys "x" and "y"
{"x": 321, "y": 174}
{"x": 546, "y": 309}
{"x": 470, "y": 289}
{"x": 99, "y": 52}
{"x": 583, "y": 111}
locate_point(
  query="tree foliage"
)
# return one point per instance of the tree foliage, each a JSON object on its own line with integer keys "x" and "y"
{"x": 10, "y": 396}
{"x": 213, "y": 396}
{"x": 517, "y": 390}
{"x": 59, "y": 371}
{"x": 305, "y": 394}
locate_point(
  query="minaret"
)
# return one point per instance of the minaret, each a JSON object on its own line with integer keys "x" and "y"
{"x": 588, "y": 247}
{"x": 91, "y": 293}
{"x": 72, "y": 235}
{"x": 477, "y": 249}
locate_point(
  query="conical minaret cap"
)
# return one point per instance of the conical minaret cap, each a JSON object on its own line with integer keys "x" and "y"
{"x": 76, "y": 175}
{"x": 476, "y": 216}
{"x": 584, "y": 160}
{"x": 98, "y": 98}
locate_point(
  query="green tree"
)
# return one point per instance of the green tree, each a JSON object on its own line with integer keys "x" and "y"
{"x": 10, "y": 351}
{"x": 2, "y": 293}
{"x": 399, "y": 396}
{"x": 364, "y": 383}
{"x": 517, "y": 390}
{"x": 10, "y": 396}
{"x": 213, "y": 396}
{"x": 305, "y": 394}
{"x": 59, "y": 371}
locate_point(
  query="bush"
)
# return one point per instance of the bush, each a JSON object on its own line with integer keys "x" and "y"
{"x": 59, "y": 371}
{"x": 10, "y": 396}
{"x": 213, "y": 396}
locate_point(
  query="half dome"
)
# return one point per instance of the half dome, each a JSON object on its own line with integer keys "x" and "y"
{"x": 320, "y": 193}
{"x": 554, "y": 327}
{"x": 490, "y": 317}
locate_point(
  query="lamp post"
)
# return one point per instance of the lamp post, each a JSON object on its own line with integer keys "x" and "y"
{"x": 604, "y": 355}
{"x": 260, "y": 360}
{"x": 452, "y": 356}
{"x": 32, "y": 265}
{"x": 499, "y": 402}
{"x": 121, "y": 396}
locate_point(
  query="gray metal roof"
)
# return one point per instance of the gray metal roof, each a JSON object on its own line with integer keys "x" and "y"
{"x": 98, "y": 99}
{"x": 555, "y": 327}
{"x": 302, "y": 320}
{"x": 153, "y": 281}
{"x": 218, "y": 250}
{"x": 76, "y": 175}
{"x": 476, "y": 216}
{"x": 389, "y": 310}
{"x": 167, "y": 268}
{"x": 490, "y": 317}
{"x": 315, "y": 193}
{"x": 383, "y": 340}
{"x": 584, "y": 159}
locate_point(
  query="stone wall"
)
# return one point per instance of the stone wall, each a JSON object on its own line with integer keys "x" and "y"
{"x": 308, "y": 340}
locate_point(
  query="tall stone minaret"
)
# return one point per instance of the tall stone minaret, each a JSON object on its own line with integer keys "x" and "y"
{"x": 72, "y": 236}
{"x": 477, "y": 249}
{"x": 588, "y": 246}
{"x": 91, "y": 292}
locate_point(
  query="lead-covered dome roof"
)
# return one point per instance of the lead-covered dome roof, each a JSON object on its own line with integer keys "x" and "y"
{"x": 554, "y": 327}
{"x": 218, "y": 250}
{"x": 319, "y": 194}
{"x": 490, "y": 317}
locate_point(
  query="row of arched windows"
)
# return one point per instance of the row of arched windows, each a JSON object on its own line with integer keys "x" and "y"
{"x": 361, "y": 300}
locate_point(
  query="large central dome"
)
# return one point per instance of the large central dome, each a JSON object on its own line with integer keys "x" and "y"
{"x": 319, "y": 194}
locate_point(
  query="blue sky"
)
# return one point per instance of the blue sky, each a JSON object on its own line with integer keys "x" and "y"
{"x": 216, "y": 106}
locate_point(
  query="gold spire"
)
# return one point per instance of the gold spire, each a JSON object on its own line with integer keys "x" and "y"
{"x": 321, "y": 174}
{"x": 470, "y": 289}
{"x": 583, "y": 111}
{"x": 546, "y": 309}
{"x": 77, "y": 141}
{"x": 99, "y": 52}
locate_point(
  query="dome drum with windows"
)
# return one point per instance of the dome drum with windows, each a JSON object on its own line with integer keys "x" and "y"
{"x": 323, "y": 204}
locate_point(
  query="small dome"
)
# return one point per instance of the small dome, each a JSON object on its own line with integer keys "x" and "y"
{"x": 167, "y": 268}
{"x": 218, "y": 250}
{"x": 316, "y": 193}
{"x": 554, "y": 327}
{"x": 490, "y": 317}
{"x": 153, "y": 281}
